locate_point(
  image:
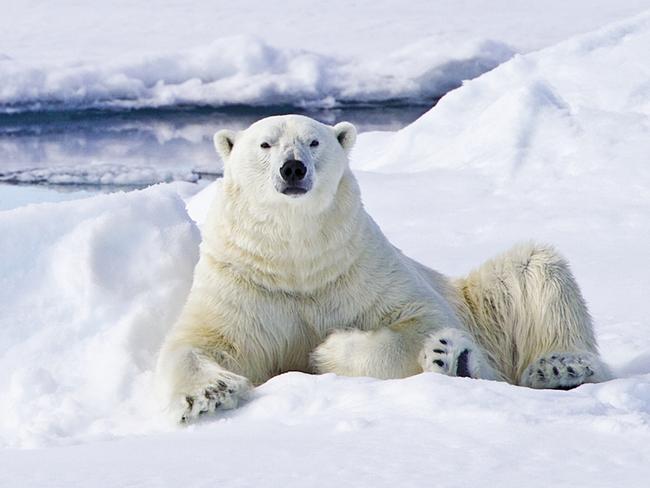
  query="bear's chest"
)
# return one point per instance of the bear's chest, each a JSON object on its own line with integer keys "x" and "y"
{"x": 293, "y": 326}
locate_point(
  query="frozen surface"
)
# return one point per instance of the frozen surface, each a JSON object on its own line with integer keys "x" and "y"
{"x": 426, "y": 430}
{"x": 97, "y": 174}
{"x": 131, "y": 54}
{"x": 551, "y": 146}
{"x": 17, "y": 196}
{"x": 245, "y": 70}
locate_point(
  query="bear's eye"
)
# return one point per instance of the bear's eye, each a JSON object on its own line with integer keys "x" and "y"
{"x": 265, "y": 145}
{"x": 314, "y": 143}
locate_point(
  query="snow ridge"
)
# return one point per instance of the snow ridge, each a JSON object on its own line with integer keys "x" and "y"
{"x": 97, "y": 174}
{"x": 245, "y": 70}
{"x": 538, "y": 119}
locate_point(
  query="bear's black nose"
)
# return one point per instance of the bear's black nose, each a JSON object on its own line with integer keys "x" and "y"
{"x": 293, "y": 171}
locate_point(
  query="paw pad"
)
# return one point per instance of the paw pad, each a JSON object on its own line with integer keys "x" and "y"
{"x": 453, "y": 352}
{"x": 462, "y": 368}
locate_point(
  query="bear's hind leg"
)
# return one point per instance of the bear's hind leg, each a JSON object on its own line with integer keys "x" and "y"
{"x": 530, "y": 317}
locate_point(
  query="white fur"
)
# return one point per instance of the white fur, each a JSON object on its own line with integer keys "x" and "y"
{"x": 310, "y": 283}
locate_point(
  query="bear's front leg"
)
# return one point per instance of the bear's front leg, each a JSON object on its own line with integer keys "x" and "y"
{"x": 194, "y": 384}
{"x": 455, "y": 353}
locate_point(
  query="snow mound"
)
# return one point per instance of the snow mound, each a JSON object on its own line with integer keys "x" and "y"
{"x": 97, "y": 174}
{"x": 89, "y": 289}
{"x": 571, "y": 112}
{"x": 246, "y": 70}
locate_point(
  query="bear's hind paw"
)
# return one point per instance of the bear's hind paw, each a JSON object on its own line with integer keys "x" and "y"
{"x": 562, "y": 371}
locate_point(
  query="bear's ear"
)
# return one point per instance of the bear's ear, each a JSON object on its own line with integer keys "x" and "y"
{"x": 224, "y": 141}
{"x": 346, "y": 134}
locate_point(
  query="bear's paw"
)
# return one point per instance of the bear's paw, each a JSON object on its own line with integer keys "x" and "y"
{"x": 454, "y": 353}
{"x": 559, "y": 371}
{"x": 219, "y": 394}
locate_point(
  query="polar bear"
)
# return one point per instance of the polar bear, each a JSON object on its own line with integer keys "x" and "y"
{"x": 294, "y": 275}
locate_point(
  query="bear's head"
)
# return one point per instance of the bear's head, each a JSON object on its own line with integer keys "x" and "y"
{"x": 288, "y": 160}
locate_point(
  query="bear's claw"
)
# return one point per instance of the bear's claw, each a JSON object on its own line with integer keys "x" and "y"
{"x": 218, "y": 395}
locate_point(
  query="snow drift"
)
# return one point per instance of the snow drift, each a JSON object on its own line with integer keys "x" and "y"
{"x": 97, "y": 174}
{"x": 246, "y": 70}
{"x": 89, "y": 289}
{"x": 548, "y": 116}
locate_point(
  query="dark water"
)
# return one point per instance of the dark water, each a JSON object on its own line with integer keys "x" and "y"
{"x": 165, "y": 139}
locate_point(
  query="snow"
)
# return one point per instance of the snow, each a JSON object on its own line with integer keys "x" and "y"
{"x": 574, "y": 94}
{"x": 97, "y": 174}
{"x": 83, "y": 56}
{"x": 89, "y": 289}
{"x": 18, "y": 196}
{"x": 427, "y": 430}
{"x": 552, "y": 145}
{"x": 243, "y": 70}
